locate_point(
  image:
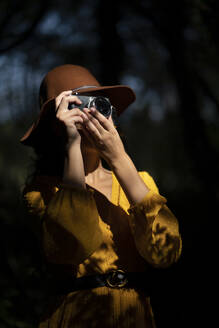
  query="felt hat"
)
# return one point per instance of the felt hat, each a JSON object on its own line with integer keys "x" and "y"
{"x": 79, "y": 80}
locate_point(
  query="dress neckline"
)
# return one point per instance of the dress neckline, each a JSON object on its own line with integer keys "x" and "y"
{"x": 115, "y": 190}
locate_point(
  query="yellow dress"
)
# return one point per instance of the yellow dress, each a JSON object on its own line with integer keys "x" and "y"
{"x": 81, "y": 232}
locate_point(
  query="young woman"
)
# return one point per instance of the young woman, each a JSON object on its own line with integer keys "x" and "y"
{"x": 101, "y": 231}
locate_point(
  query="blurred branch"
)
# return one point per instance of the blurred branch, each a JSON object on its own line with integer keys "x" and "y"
{"x": 10, "y": 12}
{"x": 207, "y": 90}
{"x": 23, "y": 37}
{"x": 111, "y": 63}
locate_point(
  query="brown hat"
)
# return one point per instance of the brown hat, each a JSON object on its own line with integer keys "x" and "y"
{"x": 80, "y": 80}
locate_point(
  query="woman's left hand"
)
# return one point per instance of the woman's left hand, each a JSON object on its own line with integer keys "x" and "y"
{"x": 104, "y": 135}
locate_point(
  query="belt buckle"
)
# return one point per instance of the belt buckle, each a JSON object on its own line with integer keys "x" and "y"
{"x": 116, "y": 279}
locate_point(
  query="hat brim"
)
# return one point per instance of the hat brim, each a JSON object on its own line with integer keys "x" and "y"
{"x": 121, "y": 96}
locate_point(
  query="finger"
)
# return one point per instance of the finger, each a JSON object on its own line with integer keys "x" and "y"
{"x": 101, "y": 118}
{"x": 95, "y": 122}
{"x": 63, "y": 106}
{"x": 69, "y": 98}
{"x": 61, "y": 95}
{"x": 75, "y": 119}
{"x": 74, "y": 112}
{"x": 88, "y": 134}
{"x": 92, "y": 129}
{"x": 67, "y": 116}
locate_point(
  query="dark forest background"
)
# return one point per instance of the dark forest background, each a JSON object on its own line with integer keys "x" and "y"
{"x": 167, "y": 51}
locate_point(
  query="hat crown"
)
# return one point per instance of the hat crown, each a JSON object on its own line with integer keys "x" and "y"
{"x": 63, "y": 78}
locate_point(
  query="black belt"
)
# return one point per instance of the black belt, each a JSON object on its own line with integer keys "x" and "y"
{"x": 112, "y": 279}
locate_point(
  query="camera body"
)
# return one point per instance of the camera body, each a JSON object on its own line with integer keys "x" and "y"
{"x": 102, "y": 104}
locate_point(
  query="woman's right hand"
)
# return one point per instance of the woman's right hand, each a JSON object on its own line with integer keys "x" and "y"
{"x": 69, "y": 118}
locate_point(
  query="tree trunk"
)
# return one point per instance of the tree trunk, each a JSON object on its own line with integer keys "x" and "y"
{"x": 111, "y": 50}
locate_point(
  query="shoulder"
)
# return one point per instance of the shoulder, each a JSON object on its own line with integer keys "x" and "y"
{"x": 149, "y": 180}
{"x": 40, "y": 183}
{"x": 39, "y": 191}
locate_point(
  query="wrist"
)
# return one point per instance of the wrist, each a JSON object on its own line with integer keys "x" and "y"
{"x": 118, "y": 161}
{"x": 72, "y": 145}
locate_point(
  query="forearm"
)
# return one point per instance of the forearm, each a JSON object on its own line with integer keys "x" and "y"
{"x": 73, "y": 174}
{"x": 129, "y": 179}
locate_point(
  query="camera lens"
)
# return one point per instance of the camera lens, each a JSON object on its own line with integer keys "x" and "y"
{"x": 103, "y": 106}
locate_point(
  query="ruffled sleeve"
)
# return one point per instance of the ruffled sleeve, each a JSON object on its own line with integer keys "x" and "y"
{"x": 155, "y": 228}
{"x": 67, "y": 220}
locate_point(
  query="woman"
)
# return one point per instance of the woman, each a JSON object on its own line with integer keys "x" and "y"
{"x": 101, "y": 231}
